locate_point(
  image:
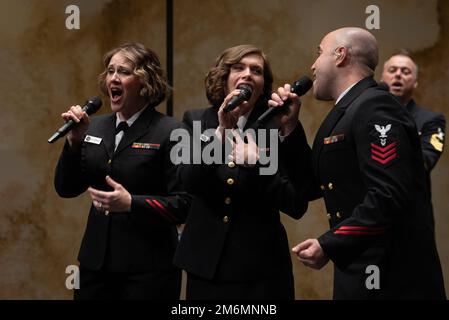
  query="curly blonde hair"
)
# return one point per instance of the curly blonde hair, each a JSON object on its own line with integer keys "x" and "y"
{"x": 146, "y": 66}
{"x": 217, "y": 76}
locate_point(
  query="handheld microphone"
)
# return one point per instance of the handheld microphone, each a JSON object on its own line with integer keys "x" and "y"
{"x": 90, "y": 107}
{"x": 244, "y": 95}
{"x": 300, "y": 87}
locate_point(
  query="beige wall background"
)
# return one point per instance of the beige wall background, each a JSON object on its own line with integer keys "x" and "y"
{"x": 46, "y": 68}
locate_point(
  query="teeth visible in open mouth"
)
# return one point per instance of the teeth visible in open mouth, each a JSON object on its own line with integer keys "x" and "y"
{"x": 245, "y": 85}
{"x": 116, "y": 92}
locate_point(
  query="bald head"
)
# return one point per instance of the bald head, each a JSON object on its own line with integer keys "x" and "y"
{"x": 345, "y": 56}
{"x": 361, "y": 45}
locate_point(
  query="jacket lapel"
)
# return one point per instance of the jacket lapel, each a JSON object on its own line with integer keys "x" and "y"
{"x": 106, "y": 129}
{"x": 335, "y": 115}
{"x": 254, "y": 115}
{"x": 209, "y": 119}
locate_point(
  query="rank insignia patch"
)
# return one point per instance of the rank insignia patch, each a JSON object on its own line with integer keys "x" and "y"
{"x": 383, "y": 133}
{"x": 437, "y": 140}
{"x": 384, "y": 155}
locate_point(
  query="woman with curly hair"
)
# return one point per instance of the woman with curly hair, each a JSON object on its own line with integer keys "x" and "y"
{"x": 123, "y": 160}
{"x": 234, "y": 245}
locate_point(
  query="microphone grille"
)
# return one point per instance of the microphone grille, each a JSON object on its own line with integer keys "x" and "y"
{"x": 93, "y": 105}
{"x": 302, "y": 85}
{"x": 247, "y": 91}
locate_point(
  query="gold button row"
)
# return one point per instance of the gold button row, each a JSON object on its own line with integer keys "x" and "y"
{"x": 338, "y": 214}
{"x": 230, "y": 182}
{"x": 330, "y": 186}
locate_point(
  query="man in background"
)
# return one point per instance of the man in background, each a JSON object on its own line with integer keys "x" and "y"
{"x": 400, "y": 72}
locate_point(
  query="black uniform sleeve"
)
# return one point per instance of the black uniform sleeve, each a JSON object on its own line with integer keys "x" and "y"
{"x": 288, "y": 187}
{"x": 384, "y": 152}
{"x": 173, "y": 207}
{"x": 196, "y": 177}
{"x": 292, "y": 184}
{"x": 69, "y": 180}
{"x": 432, "y": 140}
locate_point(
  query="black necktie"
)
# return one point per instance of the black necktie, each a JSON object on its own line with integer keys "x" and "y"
{"x": 122, "y": 126}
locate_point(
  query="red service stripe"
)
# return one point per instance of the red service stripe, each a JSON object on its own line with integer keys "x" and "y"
{"x": 157, "y": 208}
{"x": 384, "y": 149}
{"x": 383, "y": 155}
{"x": 164, "y": 209}
{"x": 359, "y": 233}
{"x": 384, "y": 161}
{"x": 361, "y": 228}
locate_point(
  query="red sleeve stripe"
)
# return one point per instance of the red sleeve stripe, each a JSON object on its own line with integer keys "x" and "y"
{"x": 361, "y": 228}
{"x": 359, "y": 233}
{"x": 165, "y": 210}
{"x": 160, "y": 209}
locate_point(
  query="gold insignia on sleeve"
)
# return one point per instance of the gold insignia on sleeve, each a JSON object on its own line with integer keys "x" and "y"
{"x": 437, "y": 140}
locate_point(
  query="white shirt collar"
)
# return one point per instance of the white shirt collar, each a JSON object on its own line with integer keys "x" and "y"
{"x": 344, "y": 93}
{"x": 132, "y": 119}
{"x": 241, "y": 122}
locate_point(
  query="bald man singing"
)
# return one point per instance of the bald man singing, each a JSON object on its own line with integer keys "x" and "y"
{"x": 368, "y": 165}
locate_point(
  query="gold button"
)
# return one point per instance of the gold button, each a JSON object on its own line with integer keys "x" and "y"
{"x": 322, "y": 187}
{"x": 109, "y": 161}
{"x": 231, "y": 164}
{"x": 329, "y": 216}
{"x": 338, "y": 215}
{"x": 331, "y": 186}
{"x": 228, "y": 200}
{"x": 230, "y": 181}
{"x": 225, "y": 219}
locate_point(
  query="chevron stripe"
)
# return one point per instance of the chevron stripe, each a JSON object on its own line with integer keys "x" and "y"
{"x": 384, "y": 149}
{"x": 384, "y": 161}
{"x": 383, "y": 155}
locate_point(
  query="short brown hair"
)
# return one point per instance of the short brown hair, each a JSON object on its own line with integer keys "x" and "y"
{"x": 217, "y": 76}
{"x": 405, "y": 53}
{"x": 146, "y": 66}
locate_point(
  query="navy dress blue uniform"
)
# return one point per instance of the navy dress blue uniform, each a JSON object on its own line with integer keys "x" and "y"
{"x": 137, "y": 245}
{"x": 431, "y": 128}
{"x": 234, "y": 245}
{"x": 368, "y": 161}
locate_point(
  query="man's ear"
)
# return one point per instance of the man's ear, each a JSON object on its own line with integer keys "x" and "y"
{"x": 340, "y": 55}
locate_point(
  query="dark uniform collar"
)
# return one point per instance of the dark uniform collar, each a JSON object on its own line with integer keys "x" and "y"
{"x": 411, "y": 106}
{"x": 355, "y": 91}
